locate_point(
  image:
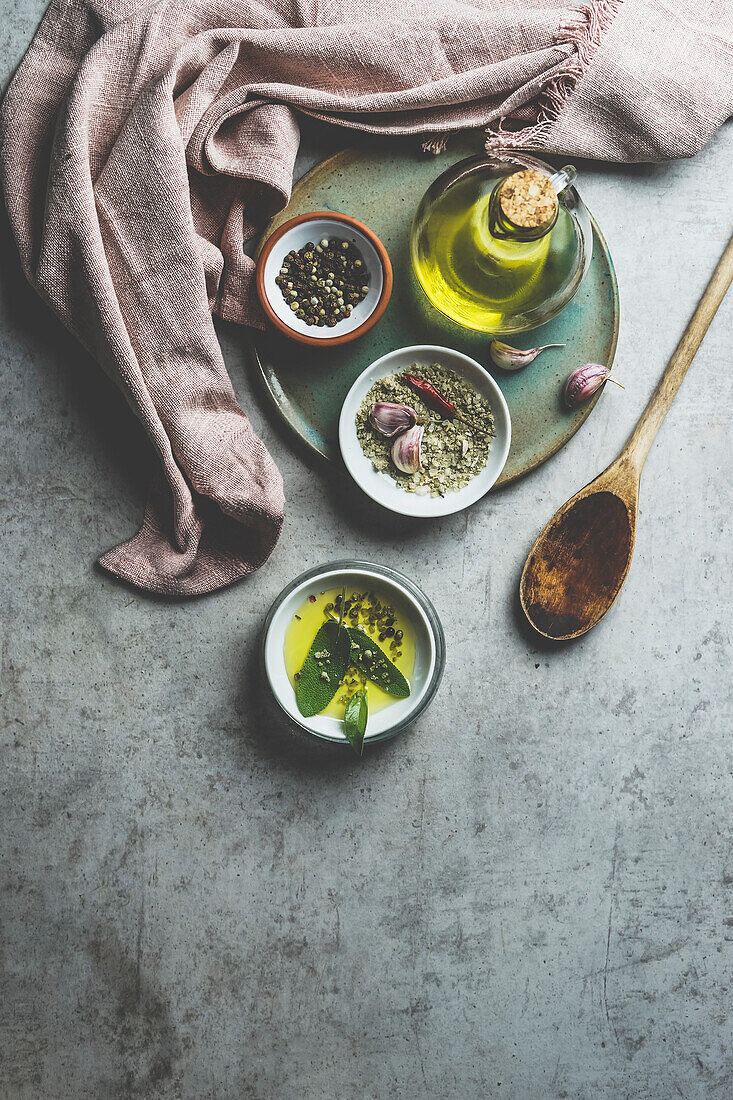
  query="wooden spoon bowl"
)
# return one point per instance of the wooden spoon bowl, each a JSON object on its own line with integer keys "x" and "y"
{"x": 580, "y": 560}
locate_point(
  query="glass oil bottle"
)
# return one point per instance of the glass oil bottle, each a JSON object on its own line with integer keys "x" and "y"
{"x": 501, "y": 250}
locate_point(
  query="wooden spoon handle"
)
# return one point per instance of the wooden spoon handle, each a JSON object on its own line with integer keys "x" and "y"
{"x": 643, "y": 435}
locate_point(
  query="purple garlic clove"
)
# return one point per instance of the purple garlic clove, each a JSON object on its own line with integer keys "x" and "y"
{"x": 406, "y": 450}
{"x": 390, "y": 419}
{"x": 509, "y": 358}
{"x": 584, "y": 382}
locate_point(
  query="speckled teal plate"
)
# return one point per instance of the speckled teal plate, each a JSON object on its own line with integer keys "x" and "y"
{"x": 381, "y": 184}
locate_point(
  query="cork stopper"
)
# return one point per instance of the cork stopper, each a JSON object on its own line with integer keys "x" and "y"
{"x": 528, "y": 199}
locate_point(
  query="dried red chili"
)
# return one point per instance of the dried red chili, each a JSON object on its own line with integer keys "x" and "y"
{"x": 431, "y": 397}
{"x": 436, "y": 401}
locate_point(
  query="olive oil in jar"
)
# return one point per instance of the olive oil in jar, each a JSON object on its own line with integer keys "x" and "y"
{"x": 489, "y": 251}
{"x": 311, "y": 616}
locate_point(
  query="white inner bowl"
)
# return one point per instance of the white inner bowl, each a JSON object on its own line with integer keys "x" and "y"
{"x": 379, "y": 485}
{"x": 391, "y": 718}
{"x": 314, "y": 230}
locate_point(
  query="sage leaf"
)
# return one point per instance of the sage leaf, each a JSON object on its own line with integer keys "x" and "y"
{"x": 367, "y": 656}
{"x": 323, "y": 670}
{"x": 355, "y": 720}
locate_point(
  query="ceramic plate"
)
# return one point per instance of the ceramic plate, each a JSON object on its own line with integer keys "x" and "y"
{"x": 381, "y": 183}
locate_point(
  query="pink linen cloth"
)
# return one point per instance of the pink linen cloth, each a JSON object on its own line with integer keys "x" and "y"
{"x": 141, "y": 143}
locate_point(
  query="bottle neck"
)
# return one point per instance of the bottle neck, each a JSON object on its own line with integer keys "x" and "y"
{"x": 511, "y": 226}
{"x": 502, "y": 228}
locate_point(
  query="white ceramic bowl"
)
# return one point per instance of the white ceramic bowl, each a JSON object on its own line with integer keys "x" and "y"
{"x": 429, "y": 648}
{"x": 297, "y": 232}
{"x": 380, "y": 486}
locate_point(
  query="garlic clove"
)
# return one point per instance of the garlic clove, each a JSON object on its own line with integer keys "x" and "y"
{"x": 584, "y": 382}
{"x": 406, "y": 450}
{"x": 509, "y": 358}
{"x": 388, "y": 418}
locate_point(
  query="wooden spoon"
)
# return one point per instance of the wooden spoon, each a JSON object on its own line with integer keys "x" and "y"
{"x": 580, "y": 560}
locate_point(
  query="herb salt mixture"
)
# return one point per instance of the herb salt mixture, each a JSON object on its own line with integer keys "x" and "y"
{"x": 452, "y": 451}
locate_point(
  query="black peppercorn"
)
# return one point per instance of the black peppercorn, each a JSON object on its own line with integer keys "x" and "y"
{"x": 310, "y": 276}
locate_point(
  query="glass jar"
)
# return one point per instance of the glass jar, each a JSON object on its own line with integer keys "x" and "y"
{"x": 501, "y": 264}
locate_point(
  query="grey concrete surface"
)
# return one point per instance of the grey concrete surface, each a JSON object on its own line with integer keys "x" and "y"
{"x": 528, "y": 896}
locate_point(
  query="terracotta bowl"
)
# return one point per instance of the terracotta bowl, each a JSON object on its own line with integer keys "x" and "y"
{"x": 294, "y": 234}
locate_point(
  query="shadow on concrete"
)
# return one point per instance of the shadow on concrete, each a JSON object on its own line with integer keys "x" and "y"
{"x": 108, "y": 426}
{"x": 269, "y": 736}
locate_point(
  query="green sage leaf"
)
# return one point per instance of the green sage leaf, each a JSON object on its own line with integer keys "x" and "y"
{"x": 367, "y": 656}
{"x": 323, "y": 670}
{"x": 355, "y": 720}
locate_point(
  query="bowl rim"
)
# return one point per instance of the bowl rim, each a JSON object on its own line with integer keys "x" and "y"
{"x": 374, "y": 316}
{"x": 497, "y": 397}
{"x": 413, "y": 591}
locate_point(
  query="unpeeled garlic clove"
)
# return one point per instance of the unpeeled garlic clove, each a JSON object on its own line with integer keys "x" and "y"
{"x": 584, "y": 382}
{"x": 406, "y": 450}
{"x": 389, "y": 419}
{"x": 509, "y": 358}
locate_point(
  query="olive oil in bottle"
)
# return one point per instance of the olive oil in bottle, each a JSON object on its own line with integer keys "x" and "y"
{"x": 488, "y": 251}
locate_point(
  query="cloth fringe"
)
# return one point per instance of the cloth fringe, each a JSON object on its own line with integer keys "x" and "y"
{"x": 584, "y": 29}
{"x": 436, "y": 145}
